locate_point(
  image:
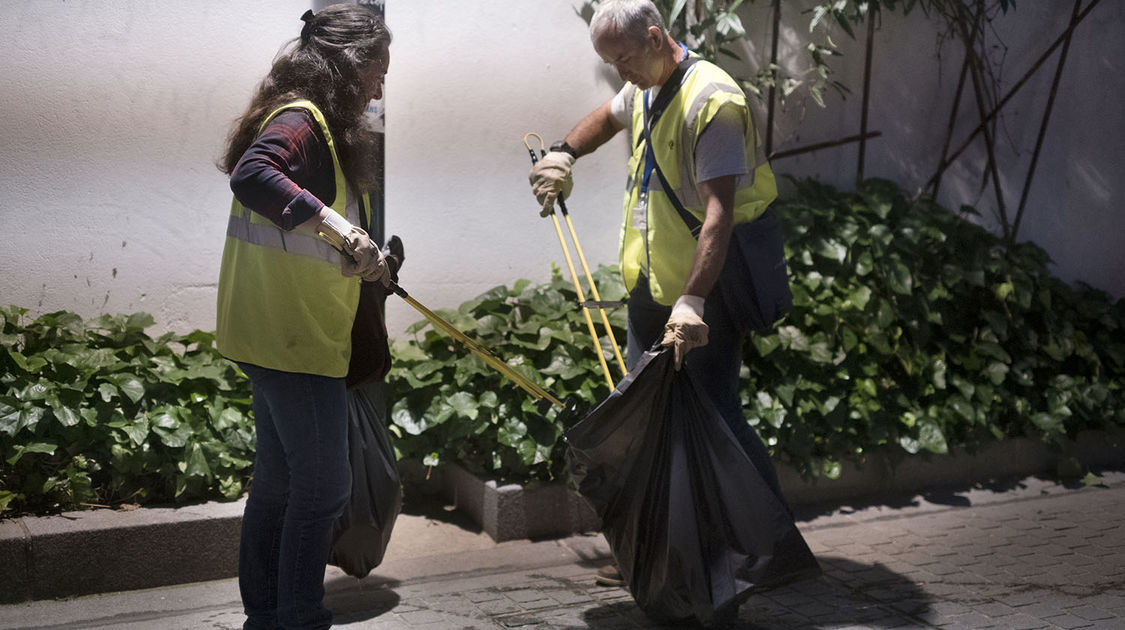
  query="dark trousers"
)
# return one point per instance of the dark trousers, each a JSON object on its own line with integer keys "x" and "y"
{"x": 302, "y": 481}
{"x": 715, "y": 366}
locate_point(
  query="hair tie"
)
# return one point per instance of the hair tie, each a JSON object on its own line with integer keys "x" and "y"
{"x": 306, "y": 30}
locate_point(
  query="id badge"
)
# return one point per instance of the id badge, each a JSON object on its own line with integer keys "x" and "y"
{"x": 640, "y": 213}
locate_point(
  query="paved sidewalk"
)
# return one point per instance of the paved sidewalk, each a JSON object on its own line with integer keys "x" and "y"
{"x": 1030, "y": 555}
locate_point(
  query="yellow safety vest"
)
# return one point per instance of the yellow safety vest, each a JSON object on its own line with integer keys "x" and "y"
{"x": 657, "y": 242}
{"x": 283, "y": 303}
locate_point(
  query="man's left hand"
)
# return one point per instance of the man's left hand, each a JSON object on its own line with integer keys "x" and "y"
{"x": 685, "y": 329}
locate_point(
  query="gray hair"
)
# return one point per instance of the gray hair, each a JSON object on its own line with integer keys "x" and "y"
{"x": 630, "y": 17}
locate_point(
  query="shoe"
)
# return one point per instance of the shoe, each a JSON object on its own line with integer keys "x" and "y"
{"x": 609, "y": 575}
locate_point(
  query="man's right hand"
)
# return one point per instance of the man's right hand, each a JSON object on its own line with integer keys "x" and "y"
{"x": 550, "y": 178}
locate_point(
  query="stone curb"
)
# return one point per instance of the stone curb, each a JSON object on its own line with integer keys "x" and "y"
{"x": 100, "y": 551}
{"x": 1009, "y": 459}
{"x": 511, "y": 511}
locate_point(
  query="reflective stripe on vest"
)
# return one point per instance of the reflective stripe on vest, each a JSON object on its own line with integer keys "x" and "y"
{"x": 658, "y": 243}
{"x": 263, "y": 235}
{"x": 282, "y": 301}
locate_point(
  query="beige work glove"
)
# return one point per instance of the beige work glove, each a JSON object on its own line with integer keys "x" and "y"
{"x": 550, "y": 177}
{"x": 685, "y": 329}
{"x": 361, "y": 255}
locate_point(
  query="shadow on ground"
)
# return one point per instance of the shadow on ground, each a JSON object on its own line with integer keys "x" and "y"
{"x": 948, "y": 495}
{"x": 418, "y": 502}
{"x": 848, "y": 594}
{"x": 353, "y": 601}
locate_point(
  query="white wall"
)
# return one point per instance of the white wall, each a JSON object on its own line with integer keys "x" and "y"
{"x": 113, "y": 114}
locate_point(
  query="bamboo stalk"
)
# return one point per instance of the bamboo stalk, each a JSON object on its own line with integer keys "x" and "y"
{"x": 1046, "y": 119}
{"x": 1015, "y": 88}
{"x": 822, "y": 145}
{"x": 978, "y": 91}
{"x": 866, "y": 97}
{"x": 942, "y": 165}
{"x": 773, "y": 70}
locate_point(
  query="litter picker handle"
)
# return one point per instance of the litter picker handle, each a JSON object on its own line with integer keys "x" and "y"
{"x": 536, "y": 391}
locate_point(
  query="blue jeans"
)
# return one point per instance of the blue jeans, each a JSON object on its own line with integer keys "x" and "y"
{"x": 302, "y": 481}
{"x": 715, "y": 366}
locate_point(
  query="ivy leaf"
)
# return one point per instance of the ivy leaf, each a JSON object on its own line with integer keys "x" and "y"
{"x": 137, "y": 430}
{"x": 899, "y": 278}
{"x": 464, "y": 405}
{"x": 820, "y": 352}
{"x": 909, "y": 444}
{"x": 130, "y": 386}
{"x": 403, "y": 416}
{"x": 174, "y": 438}
{"x": 107, "y": 391}
{"x": 765, "y": 344}
{"x": 197, "y": 463}
{"x": 885, "y": 315}
{"x": 996, "y": 372}
{"x": 833, "y": 249}
{"x": 66, "y": 416}
{"x": 962, "y": 407}
{"x": 1046, "y": 422}
{"x": 46, "y": 448}
{"x": 1094, "y": 481}
{"x": 860, "y": 297}
{"x": 10, "y": 418}
{"x": 864, "y": 264}
{"x": 931, "y": 438}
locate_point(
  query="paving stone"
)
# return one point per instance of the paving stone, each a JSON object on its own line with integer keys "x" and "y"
{"x": 1090, "y": 613}
{"x": 483, "y": 596}
{"x": 524, "y": 595}
{"x": 520, "y": 622}
{"x": 498, "y": 607}
{"x": 1069, "y": 622}
{"x": 568, "y": 597}
{"x": 964, "y": 620}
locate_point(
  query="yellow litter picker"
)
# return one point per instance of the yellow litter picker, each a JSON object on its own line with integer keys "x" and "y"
{"x": 597, "y": 301}
{"x": 541, "y": 395}
{"x": 536, "y": 391}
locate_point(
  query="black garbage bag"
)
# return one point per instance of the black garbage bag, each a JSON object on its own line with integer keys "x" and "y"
{"x": 364, "y": 529}
{"x": 693, "y": 526}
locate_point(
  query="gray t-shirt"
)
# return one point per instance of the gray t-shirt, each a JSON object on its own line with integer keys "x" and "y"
{"x": 721, "y": 148}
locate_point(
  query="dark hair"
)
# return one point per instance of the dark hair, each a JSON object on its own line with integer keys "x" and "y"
{"x": 322, "y": 65}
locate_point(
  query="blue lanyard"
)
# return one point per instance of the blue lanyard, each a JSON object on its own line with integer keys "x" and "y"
{"x": 650, "y": 156}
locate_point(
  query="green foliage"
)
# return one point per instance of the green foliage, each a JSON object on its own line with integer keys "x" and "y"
{"x": 913, "y": 331}
{"x": 916, "y": 329}
{"x": 450, "y": 405}
{"x": 98, "y": 412}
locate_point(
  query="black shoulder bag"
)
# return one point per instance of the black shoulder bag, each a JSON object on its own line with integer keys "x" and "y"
{"x": 754, "y": 282}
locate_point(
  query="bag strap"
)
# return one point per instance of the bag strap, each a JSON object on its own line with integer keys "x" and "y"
{"x": 670, "y": 89}
{"x": 694, "y": 225}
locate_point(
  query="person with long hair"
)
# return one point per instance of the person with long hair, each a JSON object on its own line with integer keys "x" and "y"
{"x": 296, "y": 253}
